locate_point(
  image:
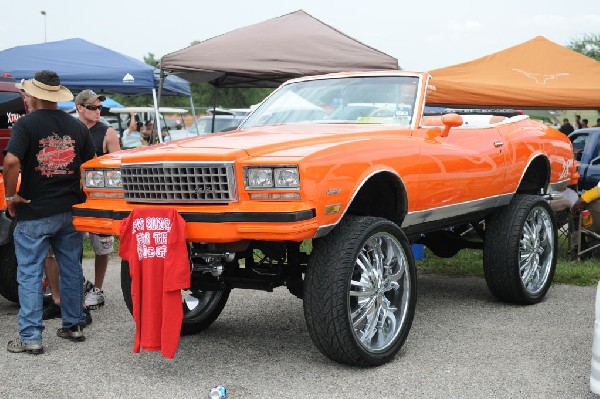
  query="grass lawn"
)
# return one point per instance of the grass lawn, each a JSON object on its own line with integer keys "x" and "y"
{"x": 470, "y": 263}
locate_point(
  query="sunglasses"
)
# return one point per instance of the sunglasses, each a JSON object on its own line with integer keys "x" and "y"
{"x": 93, "y": 107}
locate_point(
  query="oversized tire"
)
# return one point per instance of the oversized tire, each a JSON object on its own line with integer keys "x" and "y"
{"x": 360, "y": 291}
{"x": 520, "y": 250}
{"x": 200, "y": 308}
{"x": 9, "y": 288}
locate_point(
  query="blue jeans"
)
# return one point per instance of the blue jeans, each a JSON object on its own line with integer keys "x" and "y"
{"x": 32, "y": 238}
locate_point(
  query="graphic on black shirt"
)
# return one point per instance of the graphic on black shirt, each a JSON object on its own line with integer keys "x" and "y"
{"x": 56, "y": 155}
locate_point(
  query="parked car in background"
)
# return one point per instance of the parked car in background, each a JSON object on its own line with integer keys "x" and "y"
{"x": 12, "y": 107}
{"x": 223, "y": 122}
{"x": 586, "y": 146}
{"x": 147, "y": 114}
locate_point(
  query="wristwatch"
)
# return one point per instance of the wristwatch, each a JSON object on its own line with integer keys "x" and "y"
{"x": 11, "y": 198}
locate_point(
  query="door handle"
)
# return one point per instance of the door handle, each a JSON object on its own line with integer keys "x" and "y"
{"x": 498, "y": 143}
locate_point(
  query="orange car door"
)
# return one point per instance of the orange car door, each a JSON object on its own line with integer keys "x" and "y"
{"x": 466, "y": 165}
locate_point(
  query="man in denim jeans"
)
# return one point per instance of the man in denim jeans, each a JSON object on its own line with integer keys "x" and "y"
{"x": 48, "y": 147}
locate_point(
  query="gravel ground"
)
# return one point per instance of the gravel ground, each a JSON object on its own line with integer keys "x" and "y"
{"x": 463, "y": 344}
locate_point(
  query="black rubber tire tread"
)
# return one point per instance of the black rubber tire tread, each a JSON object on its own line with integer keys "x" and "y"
{"x": 501, "y": 250}
{"x": 188, "y": 326}
{"x": 326, "y": 291}
{"x": 9, "y": 287}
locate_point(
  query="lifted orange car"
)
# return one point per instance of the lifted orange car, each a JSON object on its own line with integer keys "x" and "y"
{"x": 323, "y": 188}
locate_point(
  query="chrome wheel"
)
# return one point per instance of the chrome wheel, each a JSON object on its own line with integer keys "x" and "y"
{"x": 360, "y": 291}
{"x": 536, "y": 250}
{"x": 379, "y": 292}
{"x": 519, "y": 252}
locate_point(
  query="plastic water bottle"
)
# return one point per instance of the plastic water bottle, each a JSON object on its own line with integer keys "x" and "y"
{"x": 218, "y": 392}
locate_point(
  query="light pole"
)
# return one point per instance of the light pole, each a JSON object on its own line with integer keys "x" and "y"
{"x": 44, "y": 14}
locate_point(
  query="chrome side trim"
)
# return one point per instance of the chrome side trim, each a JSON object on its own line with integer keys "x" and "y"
{"x": 441, "y": 213}
{"x": 448, "y": 211}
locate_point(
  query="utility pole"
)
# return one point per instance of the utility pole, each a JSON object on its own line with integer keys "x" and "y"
{"x": 44, "y": 14}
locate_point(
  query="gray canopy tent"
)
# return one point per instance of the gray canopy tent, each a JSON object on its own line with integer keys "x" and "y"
{"x": 268, "y": 53}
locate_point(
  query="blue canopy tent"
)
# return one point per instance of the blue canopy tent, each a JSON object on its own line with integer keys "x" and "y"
{"x": 84, "y": 65}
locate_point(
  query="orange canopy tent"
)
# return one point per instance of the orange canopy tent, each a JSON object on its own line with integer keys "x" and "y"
{"x": 535, "y": 74}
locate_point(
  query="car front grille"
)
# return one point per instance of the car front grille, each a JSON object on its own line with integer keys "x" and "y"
{"x": 202, "y": 182}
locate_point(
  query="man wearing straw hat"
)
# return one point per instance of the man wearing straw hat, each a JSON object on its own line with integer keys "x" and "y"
{"x": 48, "y": 147}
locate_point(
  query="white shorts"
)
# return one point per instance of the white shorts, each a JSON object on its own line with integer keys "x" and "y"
{"x": 102, "y": 244}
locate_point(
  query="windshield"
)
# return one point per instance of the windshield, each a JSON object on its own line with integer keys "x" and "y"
{"x": 388, "y": 100}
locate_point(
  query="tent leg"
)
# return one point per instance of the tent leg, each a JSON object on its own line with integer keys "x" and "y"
{"x": 157, "y": 124}
{"x": 212, "y": 128}
{"x": 193, "y": 112}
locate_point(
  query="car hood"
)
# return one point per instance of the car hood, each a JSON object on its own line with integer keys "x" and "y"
{"x": 283, "y": 140}
{"x": 293, "y": 140}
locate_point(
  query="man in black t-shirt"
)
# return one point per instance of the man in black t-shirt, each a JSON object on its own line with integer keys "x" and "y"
{"x": 47, "y": 147}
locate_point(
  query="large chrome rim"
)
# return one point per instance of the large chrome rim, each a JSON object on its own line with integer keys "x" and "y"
{"x": 379, "y": 292}
{"x": 536, "y": 250}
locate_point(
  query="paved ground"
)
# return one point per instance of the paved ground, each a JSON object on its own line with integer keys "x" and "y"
{"x": 463, "y": 344}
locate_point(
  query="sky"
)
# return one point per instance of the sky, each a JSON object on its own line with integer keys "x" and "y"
{"x": 422, "y": 35}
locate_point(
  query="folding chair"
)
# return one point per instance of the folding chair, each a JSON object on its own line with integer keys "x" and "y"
{"x": 588, "y": 237}
{"x": 566, "y": 225}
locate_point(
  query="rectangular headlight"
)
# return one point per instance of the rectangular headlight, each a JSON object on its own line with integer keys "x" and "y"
{"x": 103, "y": 178}
{"x": 260, "y": 177}
{"x": 280, "y": 177}
{"x": 286, "y": 177}
{"x": 112, "y": 179}
{"x": 94, "y": 179}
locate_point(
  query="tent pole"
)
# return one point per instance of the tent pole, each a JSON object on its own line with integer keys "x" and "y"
{"x": 161, "y": 82}
{"x": 157, "y": 124}
{"x": 212, "y": 129}
{"x": 193, "y": 111}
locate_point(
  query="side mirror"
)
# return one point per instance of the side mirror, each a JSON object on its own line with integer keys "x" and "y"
{"x": 450, "y": 120}
{"x": 595, "y": 161}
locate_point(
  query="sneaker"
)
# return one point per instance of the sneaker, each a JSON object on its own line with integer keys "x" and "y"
{"x": 87, "y": 320}
{"x": 51, "y": 311}
{"x": 94, "y": 298}
{"x": 18, "y": 346}
{"x": 87, "y": 286}
{"x": 74, "y": 333}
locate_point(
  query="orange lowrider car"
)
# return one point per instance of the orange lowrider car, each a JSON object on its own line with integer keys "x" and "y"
{"x": 324, "y": 187}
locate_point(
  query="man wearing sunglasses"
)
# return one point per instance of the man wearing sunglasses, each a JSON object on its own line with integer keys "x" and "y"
{"x": 105, "y": 141}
